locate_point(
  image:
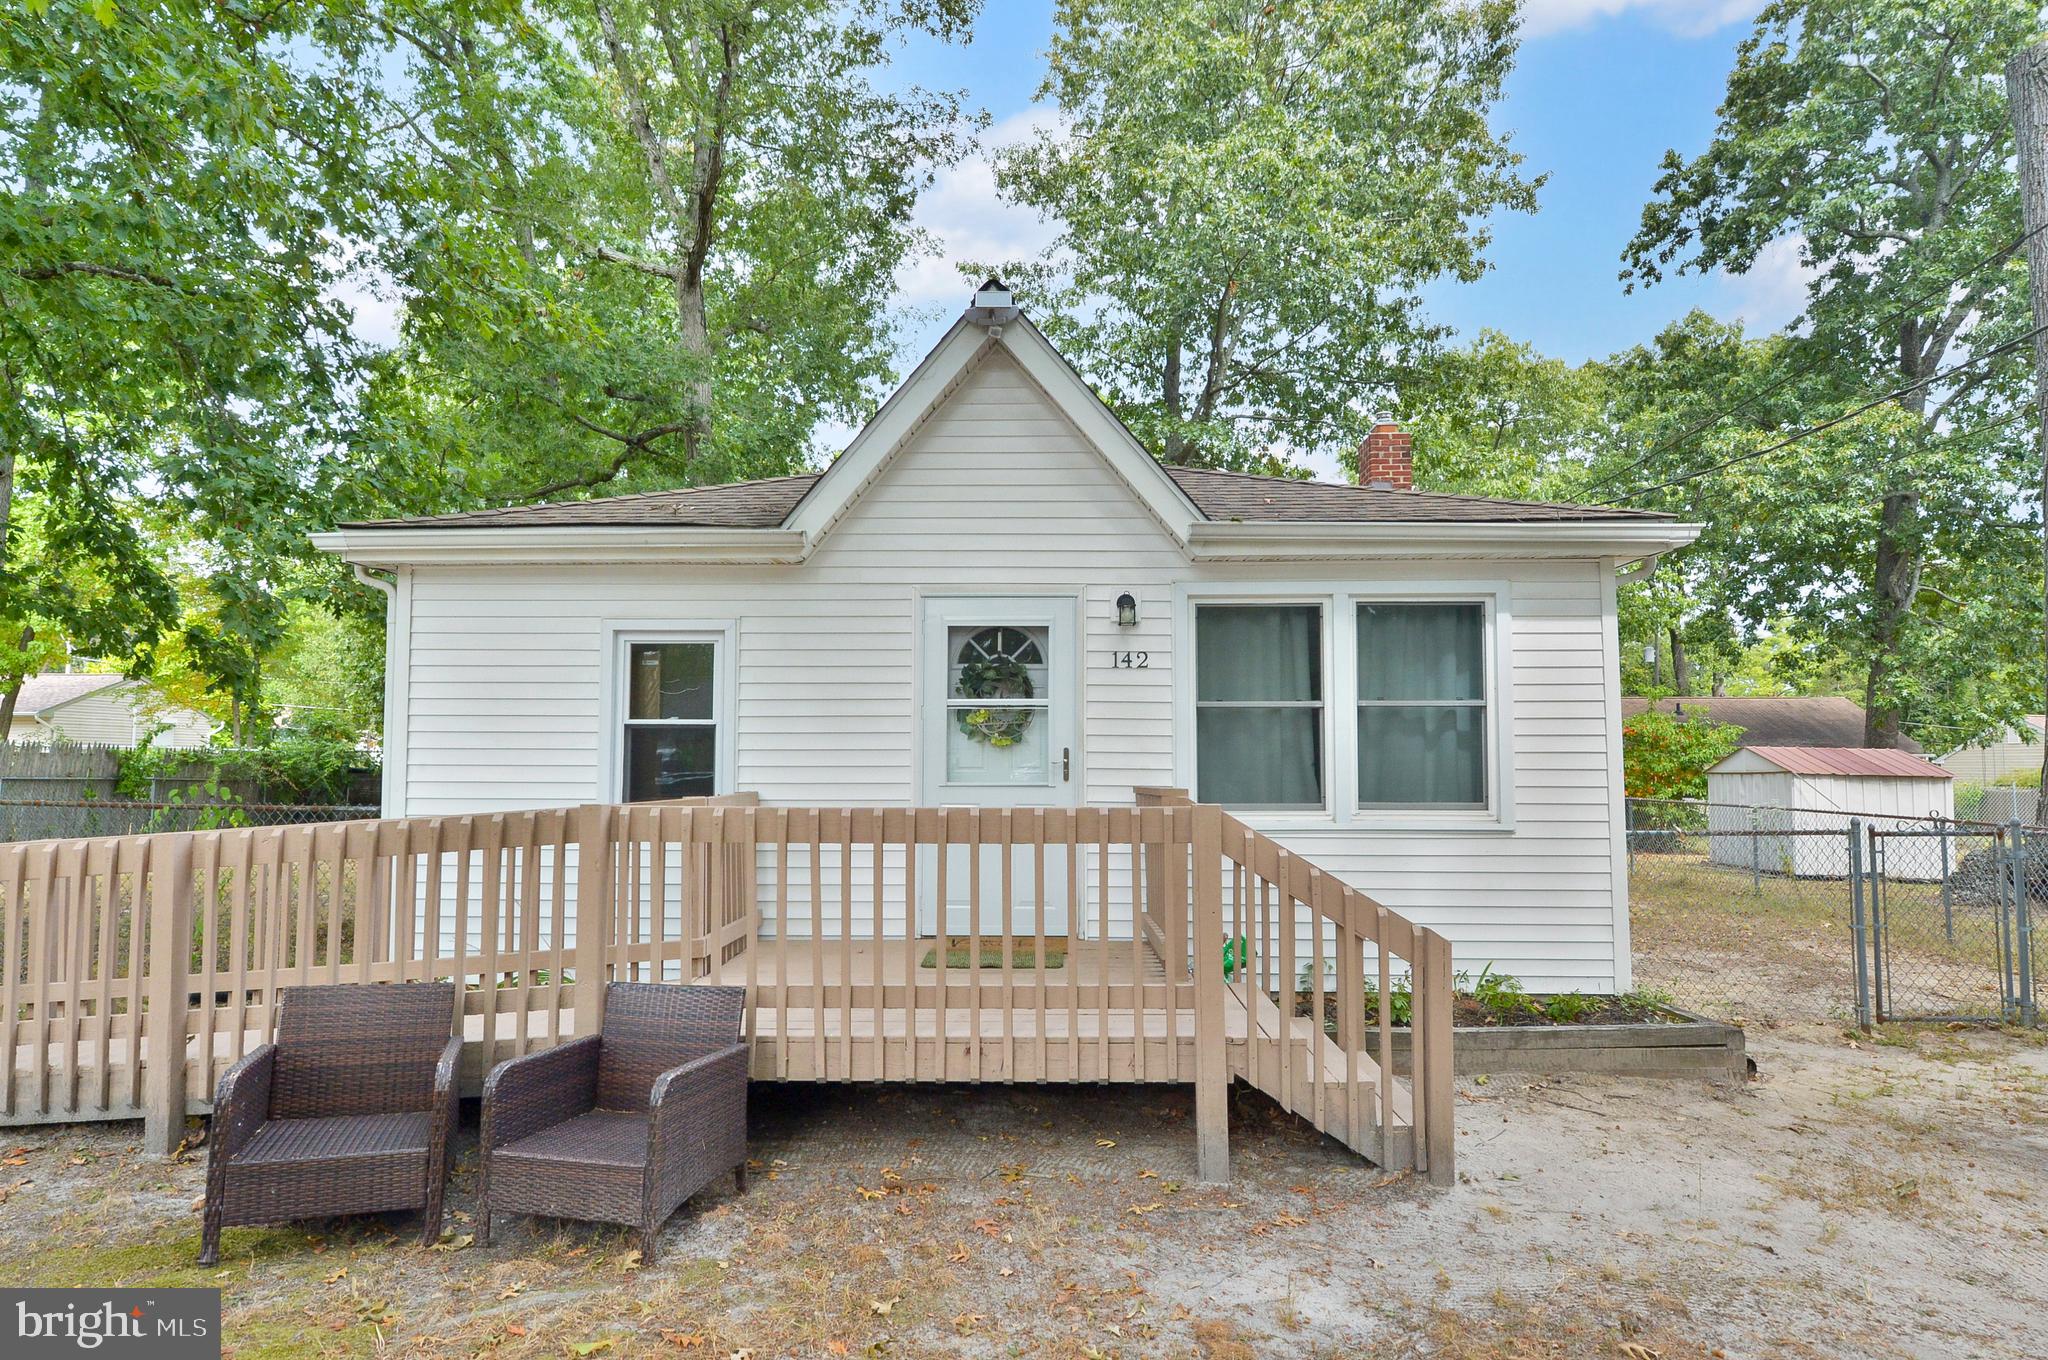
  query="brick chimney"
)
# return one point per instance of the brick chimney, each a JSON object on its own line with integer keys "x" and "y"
{"x": 1385, "y": 462}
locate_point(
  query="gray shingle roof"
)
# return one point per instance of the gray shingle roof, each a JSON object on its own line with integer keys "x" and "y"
{"x": 1774, "y": 720}
{"x": 39, "y": 692}
{"x": 1220, "y": 496}
{"x": 761, "y": 504}
{"x": 1244, "y": 496}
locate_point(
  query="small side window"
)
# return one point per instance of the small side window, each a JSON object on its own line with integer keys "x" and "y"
{"x": 670, "y": 726}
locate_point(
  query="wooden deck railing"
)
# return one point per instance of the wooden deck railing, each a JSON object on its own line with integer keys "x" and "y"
{"x": 1091, "y": 950}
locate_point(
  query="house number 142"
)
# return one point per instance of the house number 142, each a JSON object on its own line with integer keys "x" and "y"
{"x": 1133, "y": 661}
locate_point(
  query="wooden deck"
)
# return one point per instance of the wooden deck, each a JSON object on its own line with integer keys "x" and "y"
{"x": 135, "y": 970}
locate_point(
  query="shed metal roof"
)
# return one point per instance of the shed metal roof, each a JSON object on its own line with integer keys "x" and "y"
{"x": 1860, "y": 762}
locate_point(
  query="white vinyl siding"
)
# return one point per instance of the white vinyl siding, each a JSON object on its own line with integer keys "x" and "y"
{"x": 117, "y": 716}
{"x": 503, "y": 702}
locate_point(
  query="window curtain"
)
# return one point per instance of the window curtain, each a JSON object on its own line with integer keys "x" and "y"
{"x": 1421, "y": 715}
{"x": 1258, "y": 693}
{"x": 1420, "y": 651}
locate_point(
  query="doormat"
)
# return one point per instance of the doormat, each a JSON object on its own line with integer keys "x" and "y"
{"x": 959, "y": 949}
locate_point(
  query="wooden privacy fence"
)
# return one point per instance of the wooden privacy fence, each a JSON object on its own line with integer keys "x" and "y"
{"x": 1092, "y": 948}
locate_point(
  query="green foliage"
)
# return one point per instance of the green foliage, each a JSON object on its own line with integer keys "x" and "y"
{"x": 1668, "y": 757}
{"x": 172, "y": 186}
{"x": 1400, "y": 1002}
{"x": 650, "y": 243}
{"x": 1648, "y": 998}
{"x": 327, "y": 670}
{"x": 296, "y": 766}
{"x": 1495, "y": 418}
{"x": 1872, "y": 137}
{"x": 1501, "y": 996}
{"x": 1250, "y": 197}
{"x": 1569, "y": 1008}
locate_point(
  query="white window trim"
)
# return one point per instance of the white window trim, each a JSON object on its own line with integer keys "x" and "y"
{"x": 620, "y": 638}
{"x": 1340, "y": 601}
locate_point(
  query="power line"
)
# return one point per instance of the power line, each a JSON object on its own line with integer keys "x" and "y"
{"x": 1831, "y": 423}
{"x": 1798, "y": 371}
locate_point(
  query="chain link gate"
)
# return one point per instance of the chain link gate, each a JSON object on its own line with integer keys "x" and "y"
{"x": 1941, "y": 920}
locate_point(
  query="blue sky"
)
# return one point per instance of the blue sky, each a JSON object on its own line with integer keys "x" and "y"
{"x": 1601, "y": 89}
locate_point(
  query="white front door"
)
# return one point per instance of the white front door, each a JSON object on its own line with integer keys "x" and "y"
{"x": 997, "y": 698}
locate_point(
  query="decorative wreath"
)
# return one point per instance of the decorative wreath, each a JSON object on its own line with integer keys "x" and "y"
{"x": 995, "y": 677}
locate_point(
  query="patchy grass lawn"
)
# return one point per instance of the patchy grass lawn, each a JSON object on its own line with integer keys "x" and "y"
{"x": 1864, "y": 1199}
{"x": 1775, "y": 948}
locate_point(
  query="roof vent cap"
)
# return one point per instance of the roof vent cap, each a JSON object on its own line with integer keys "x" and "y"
{"x": 994, "y": 294}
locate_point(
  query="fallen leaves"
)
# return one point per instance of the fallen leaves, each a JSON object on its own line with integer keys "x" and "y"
{"x": 583, "y": 1348}
{"x": 1143, "y": 1208}
{"x": 7, "y": 1190}
{"x": 462, "y": 1242}
{"x": 883, "y": 1307}
{"x": 682, "y": 1341}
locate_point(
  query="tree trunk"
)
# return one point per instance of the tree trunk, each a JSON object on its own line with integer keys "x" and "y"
{"x": 1170, "y": 397}
{"x": 1896, "y": 581}
{"x": 2026, "y": 86}
{"x": 6, "y": 503}
{"x": 12, "y": 698}
{"x": 1681, "y": 677}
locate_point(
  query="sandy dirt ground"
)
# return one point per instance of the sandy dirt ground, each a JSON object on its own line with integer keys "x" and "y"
{"x": 1863, "y": 1198}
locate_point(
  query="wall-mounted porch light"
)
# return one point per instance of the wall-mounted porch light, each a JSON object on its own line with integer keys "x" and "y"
{"x": 1126, "y": 610}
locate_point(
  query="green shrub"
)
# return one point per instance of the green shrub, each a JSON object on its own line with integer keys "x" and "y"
{"x": 299, "y": 765}
{"x": 1568, "y": 1008}
{"x": 1668, "y": 757}
{"x": 1500, "y": 995}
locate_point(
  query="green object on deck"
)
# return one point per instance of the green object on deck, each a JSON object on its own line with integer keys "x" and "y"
{"x": 1233, "y": 957}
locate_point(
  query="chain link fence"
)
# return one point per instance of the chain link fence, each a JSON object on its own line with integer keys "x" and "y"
{"x": 38, "y": 819}
{"x": 1768, "y": 915}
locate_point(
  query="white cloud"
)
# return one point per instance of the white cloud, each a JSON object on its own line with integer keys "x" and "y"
{"x": 969, "y": 222}
{"x": 1773, "y": 292}
{"x": 1687, "y": 18}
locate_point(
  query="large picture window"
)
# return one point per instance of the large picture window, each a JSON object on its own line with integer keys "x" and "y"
{"x": 671, "y": 724}
{"x": 1259, "y": 705}
{"x": 1422, "y": 705}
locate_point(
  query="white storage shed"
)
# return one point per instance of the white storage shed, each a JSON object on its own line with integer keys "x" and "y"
{"x": 1760, "y": 793}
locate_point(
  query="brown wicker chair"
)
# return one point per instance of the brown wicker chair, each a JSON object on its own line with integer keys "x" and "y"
{"x": 349, "y": 1112}
{"x": 624, "y": 1125}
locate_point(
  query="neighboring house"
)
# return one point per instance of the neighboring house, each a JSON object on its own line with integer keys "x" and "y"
{"x": 105, "y": 710}
{"x": 997, "y": 597}
{"x": 1818, "y": 788}
{"x": 1773, "y": 720}
{"x": 1992, "y": 762}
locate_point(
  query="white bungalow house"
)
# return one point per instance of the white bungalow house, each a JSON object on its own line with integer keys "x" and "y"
{"x": 995, "y": 596}
{"x": 104, "y": 710}
{"x": 2013, "y": 752}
